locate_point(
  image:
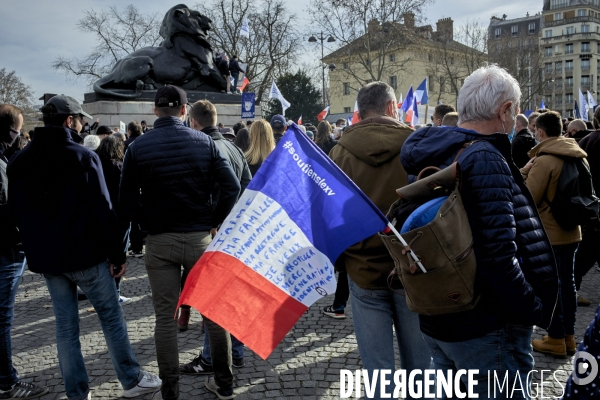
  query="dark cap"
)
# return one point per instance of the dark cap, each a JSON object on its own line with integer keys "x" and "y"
{"x": 66, "y": 105}
{"x": 170, "y": 96}
{"x": 104, "y": 130}
{"x": 278, "y": 122}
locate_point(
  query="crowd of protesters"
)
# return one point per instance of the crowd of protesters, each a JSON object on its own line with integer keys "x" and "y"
{"x": 162, "y": 194}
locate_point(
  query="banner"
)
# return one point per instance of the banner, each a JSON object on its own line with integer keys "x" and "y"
{"x": 248, "y": 105}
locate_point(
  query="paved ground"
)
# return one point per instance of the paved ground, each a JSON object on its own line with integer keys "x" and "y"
{"x": 305, "y": 365}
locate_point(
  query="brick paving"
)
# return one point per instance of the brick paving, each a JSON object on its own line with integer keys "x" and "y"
{"x": 306, "y": 365}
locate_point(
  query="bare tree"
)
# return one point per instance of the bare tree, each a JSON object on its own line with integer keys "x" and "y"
{"x": 457, "y": 57}
{"x": 521, "y": 57}
{"x": 368, "y": 33}
{"x": 273, "y": 41}
{"x": 118, "y": 33}
{"x": 13, "y": 91}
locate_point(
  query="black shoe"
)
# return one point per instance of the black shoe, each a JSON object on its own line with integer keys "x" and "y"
{"x": 238, "y": 362}
{"x": 333, "y": 312}
{"x": 222, "y": 394}
{"x": 22, "y": 390}
{"x": 197, "y": 367}
{"x": 136, "y": 254}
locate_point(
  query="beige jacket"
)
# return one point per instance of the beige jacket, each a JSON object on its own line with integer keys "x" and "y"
{"x": 369, "y": 153}
{"x": 542, "y": 180}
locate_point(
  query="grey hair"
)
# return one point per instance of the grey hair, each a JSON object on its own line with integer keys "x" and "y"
{"x": 91, "y": 142}
{"x": 372, "y": 99}
{"x": 484, "y": 91}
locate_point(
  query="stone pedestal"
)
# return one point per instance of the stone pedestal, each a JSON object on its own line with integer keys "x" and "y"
{"x": 111, "y": 112}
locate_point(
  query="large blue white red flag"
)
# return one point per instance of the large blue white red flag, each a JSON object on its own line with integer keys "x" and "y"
{"x": 421, "y": 93}
{"x": 273, "y": 255}
{"x": 408, "y": 101}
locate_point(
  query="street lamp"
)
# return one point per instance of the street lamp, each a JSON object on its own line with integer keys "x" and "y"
{"x": 331, "y": 67}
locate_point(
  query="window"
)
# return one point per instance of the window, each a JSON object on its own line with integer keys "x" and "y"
{"x": 429, "y": 57}
{"x": 585, "y": 47}
{"x": 548, "y": 51}
{"x": 367, "y": 62}
{"x": 598, "y": 48}
{"x": 559, "y": 67}
{"x": 394, "y": 82}
{"x": 392, "y": 58}
{"x": 346, "y": 88}
{"x": 346, "y": 65}
{"x": 514, "y": 30}
{"x": 431, "y": 83}
{"x": 531, "y": 28}
{"x": 548, "y": 33}
{"x": 558, "y": 4}
{"x": 558, "y": 83}
{"x": 347, "y": 110}
{"x": 498, "y": 32}
{"x": 559, "y": 99}
{"x": 557, "y": 16}
{"x": 581, "y": 13}
{"x": 585, "y": 65}
{"x": 568, "y": 98}
{"x": 569, "y": 82}
{"x": 451, "y": 60}
{"x": 569, "y": 65}
{"x": 570, "y": 30}
{"x": 548, "y": 68}
{"x": 442, "y": 84}
{"x": 585, "y": 80}
{"x": 585, "y": 28}
{"x": 569, "y": 48}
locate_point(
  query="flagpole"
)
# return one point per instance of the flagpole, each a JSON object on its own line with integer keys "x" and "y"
{"x": 426, "y": 111}
{"x": 414, "y": 256}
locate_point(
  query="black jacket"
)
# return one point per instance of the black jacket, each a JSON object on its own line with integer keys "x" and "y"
{"x": 59, "y": 198}
{"x": 591, "y": 145}
{"x": 516, "y": 272}
{"x": 521, "y": 144}
{"x": 176, "y": 169}
{"x": 223, "y": 68}
{"x": 9, "y": 234}
{"x": 234, "y": 155}
{"x": 234, "y": 67}
{"x": 129, "y": 141}
{"x": 328, "y": 145}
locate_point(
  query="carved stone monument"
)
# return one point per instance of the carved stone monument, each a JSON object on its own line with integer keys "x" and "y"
{"x": 184, "y": 58}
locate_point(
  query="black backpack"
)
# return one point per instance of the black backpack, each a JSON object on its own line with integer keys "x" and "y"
{"x": 575, "y": 202}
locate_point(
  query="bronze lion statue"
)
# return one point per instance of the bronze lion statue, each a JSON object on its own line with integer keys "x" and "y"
{"x": 184, "y": 58}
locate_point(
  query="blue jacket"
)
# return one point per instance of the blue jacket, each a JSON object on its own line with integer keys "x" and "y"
{"x": 58, "y": 195}
{"x": 516, "y": 272}
{"x": 176, "y": 169}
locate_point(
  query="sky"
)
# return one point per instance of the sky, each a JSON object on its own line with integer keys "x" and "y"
{"x": 34, "y": 32}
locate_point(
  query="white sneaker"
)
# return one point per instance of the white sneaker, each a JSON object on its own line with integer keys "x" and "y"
{"x": 148, "y": 384}
{"x": 124, "y": 300}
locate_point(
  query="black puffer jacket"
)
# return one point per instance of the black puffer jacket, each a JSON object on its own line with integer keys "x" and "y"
{"x": 176, "y": 169}
{"x": 521, "y": 144}
{"x": 516, "y": 271}
{"x": 591, "y": 145}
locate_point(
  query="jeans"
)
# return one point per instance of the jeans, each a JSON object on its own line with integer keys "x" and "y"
{"x": 374, "y": 313}
{"x": 505, "y": 352}
{"x": 563, "y": 320}
{"x": 587, "y": 253}
{"x": 12, "y": 265}
{"x": 237, "y": 348}
{"x": 166, "y": 253}
{"x": 99, "y": 286}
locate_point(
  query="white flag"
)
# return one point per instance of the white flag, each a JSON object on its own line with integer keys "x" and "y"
{"x": 591, "y": 102}
{"x": 276, "y": 94}
{"x": 583, "y": 106}
{"x": 245, "y": 30}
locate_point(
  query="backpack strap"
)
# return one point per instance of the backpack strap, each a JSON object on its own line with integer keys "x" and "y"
{"x": 465, "y": 146}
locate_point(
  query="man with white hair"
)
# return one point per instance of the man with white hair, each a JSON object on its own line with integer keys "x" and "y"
{"x": 516, "y": 281}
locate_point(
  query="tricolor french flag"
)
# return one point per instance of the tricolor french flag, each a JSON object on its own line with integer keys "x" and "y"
{"x": 300, "y": 120}
{"x": 355, "y": 116}
{"x": 273, "y": 255}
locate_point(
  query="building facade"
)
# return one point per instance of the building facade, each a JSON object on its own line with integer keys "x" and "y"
{"x": 413, "y": 53}
{"x": 570, "y": 46}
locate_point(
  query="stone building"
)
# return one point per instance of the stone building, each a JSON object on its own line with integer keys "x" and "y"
{"x": 570, "y": 46}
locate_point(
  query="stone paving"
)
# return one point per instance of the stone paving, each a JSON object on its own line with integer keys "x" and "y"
{"x": 306, "y": 365}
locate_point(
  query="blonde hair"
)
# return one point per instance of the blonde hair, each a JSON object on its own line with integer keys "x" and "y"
{"x": 262, "y": 142}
